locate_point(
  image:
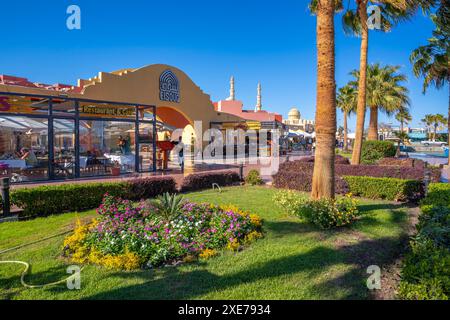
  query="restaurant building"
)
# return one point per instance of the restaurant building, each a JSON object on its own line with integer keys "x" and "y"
{"x": 114, "y": 123}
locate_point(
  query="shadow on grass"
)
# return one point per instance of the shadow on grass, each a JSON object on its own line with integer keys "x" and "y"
{"x": 10, "y": 286}
{"x": 177, "y": 284}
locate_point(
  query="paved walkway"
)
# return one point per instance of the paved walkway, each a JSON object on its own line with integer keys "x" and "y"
{"x": 203, "y": 166}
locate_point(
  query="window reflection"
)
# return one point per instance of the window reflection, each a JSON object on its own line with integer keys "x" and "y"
{"x": 106, "y": 147}
{"x": 24, "y": 148}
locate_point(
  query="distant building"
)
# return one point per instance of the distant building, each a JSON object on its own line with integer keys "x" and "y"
{"x": 256, "y": 118}
{"x": 295, "y": 122}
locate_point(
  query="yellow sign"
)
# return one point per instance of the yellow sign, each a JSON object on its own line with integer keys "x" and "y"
{"x": 108, "y": 111}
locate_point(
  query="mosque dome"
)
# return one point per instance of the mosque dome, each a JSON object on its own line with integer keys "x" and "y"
{"x": 294, "y": 114}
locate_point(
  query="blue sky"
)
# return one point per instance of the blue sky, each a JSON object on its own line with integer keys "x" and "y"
{"x": 267, "y": 41}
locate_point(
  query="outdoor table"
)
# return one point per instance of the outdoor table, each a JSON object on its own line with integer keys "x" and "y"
{"x": 124, "y": 160}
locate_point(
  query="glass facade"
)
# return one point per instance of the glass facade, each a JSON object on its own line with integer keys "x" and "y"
{"x": 45, "y": 138}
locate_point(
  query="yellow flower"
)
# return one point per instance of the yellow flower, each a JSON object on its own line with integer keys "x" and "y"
{"x": 208, "y": 253}
{"x": 233, "y": 245}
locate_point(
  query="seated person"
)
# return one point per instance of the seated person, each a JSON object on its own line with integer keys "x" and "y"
{"x": 29, "y": 157}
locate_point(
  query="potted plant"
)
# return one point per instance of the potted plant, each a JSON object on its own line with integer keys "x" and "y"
{"x": 115, "y": 169}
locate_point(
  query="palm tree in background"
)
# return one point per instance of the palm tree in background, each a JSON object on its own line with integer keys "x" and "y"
{"x": 355, "y": 23}
{"x": 431, "y": 61}
{"x": 385, "y": 93}
{"x": 438, "y": 121}
{"x": 346, "y": 101}
{"x": 403, "y": 116}
{"x": 428, "y": 120}
{"x": 323, "y": 176}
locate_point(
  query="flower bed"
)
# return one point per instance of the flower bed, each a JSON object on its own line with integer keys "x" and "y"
{"x": 129, "y": 235}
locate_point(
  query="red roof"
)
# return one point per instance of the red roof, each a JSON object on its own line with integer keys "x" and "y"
{"x": 24, "y": 82}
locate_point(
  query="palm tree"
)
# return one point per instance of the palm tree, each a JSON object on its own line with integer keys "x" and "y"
{"x": 346, "y": 101}
{"x": 431, "y": 61}
{"x": 403, "y": 116}
{"x": 428, "y": 120}
{"x": 384, "y": 93}
{"x": 323, "y": 176}
{"x": 438, "y": 120}
{"x": 355, "y": 22}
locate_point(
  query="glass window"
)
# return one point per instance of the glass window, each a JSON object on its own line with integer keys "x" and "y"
{"x": 107, "y": 110}
{"x": 64, "y": 148}
{"x": 106, "y": 147}
{"x": 24, "y": 148}
{"x": 23, "y": 104}
{"x": 146, "y": 146}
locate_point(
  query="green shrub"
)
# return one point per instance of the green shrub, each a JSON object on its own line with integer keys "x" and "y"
{"x": 426, "y": 269}
{"x": 253, "y": 178}
{"x": 55, "y": 199}
{"x": 385, "y": 188}
{"x": 438, "y": 194}
{"x": 372, "y": 151}
{"x": 325, "y": 213}
{"x": 426, "y": 273}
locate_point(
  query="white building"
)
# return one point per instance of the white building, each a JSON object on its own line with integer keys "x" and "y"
{"x": 295, "y": 122}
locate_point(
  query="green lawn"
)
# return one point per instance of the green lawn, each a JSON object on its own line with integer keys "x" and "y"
{"x": 293, "y": 261}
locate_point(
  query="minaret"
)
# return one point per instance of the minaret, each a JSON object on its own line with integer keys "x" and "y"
{"x": 231, "y": 97}
{"x": 258, "y": 98}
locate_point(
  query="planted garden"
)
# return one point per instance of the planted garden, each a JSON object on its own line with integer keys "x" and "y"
{"x": 169, "y": 230}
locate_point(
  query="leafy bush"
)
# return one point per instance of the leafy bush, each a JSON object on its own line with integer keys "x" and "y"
{"x": 325, "y": 213}
{"x": 253, "y": 178}
{"x": 426, "y": 273}
{"x": 438, "y": 194}
{"x": 199, "y": 181}
{"x": 139, "y": 230}
{"x": 55, "y": 199}
{"x": 372, "y": 151}
{"x": 168, "y": 205}
{"x": 426, "y": 269}
{"x": 385, "y": 188}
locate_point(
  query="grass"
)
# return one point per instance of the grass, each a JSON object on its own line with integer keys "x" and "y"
{"x": 292, "y": 261}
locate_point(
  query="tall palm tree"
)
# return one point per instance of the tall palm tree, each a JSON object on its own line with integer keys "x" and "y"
{"x": 346, "y": 101}
{"x": 323, "y": 176}
{"x": 355, "y": 22}
{"x": 431, "y": 61}
{"x": 385, "y": 93}
{"x": 403, "y": 116}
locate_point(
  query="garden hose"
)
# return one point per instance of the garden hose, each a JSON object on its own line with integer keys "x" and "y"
{"x": 27, "y": 265}
{"x": 30, "y": 286}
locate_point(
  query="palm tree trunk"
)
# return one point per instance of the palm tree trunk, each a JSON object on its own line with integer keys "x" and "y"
{"x": 361, "y": 106}
{"x": 345, "y": 131}
{"x": 434, "y": 132}
{"x": 373, "y": 124}
{"x": 323, "y": 176}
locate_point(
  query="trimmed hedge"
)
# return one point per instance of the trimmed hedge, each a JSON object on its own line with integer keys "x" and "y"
{"x": 385, "y": 188}
{"x": 372, "y": 151}
{"x": 438, "y": 195}
{"x": 199, "y": 181}
{"x": 47, "y": 200}
{"x": 426, "y": 268}
{"x": 356, "y": 170}
{"x": 402, "y": 162}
